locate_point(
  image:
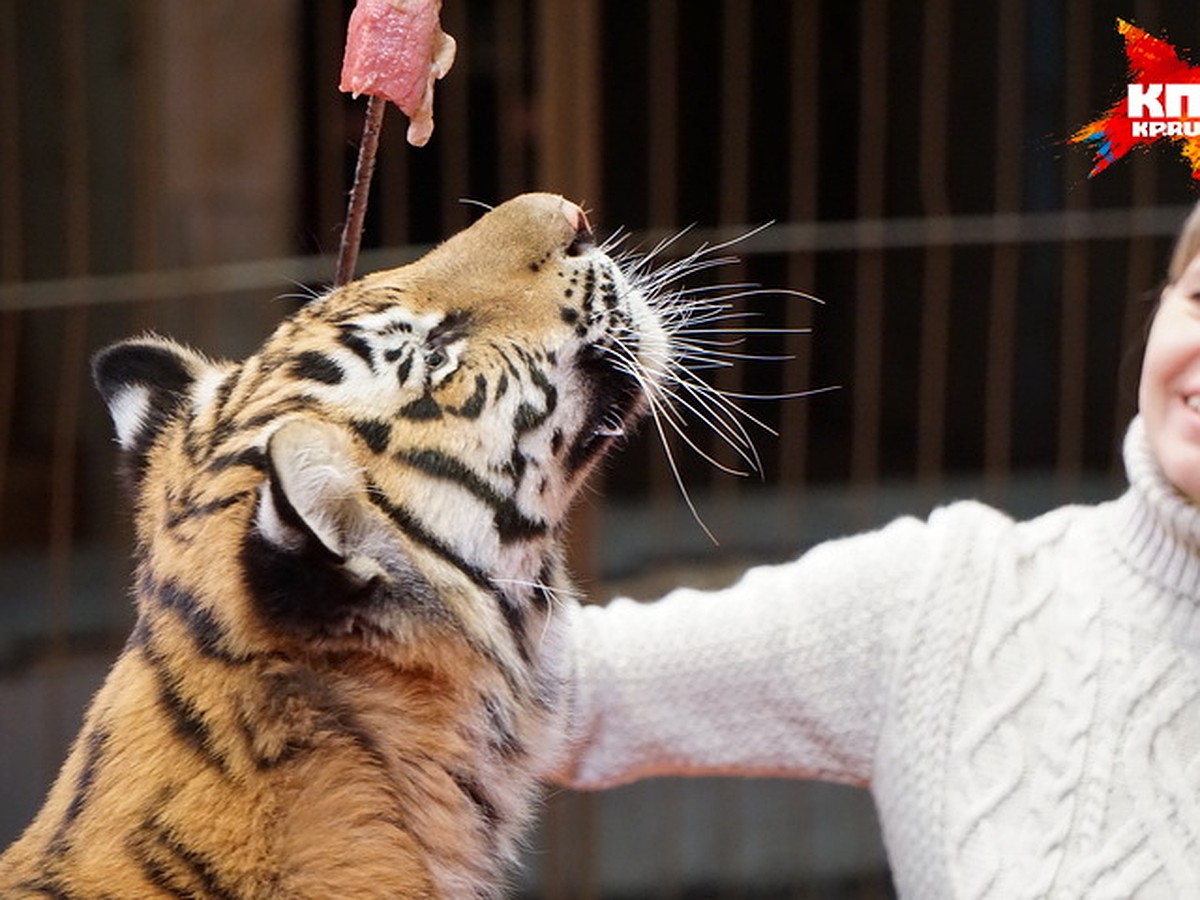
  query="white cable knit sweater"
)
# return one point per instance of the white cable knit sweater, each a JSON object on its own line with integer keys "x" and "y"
{"x": 1023, "y": 699}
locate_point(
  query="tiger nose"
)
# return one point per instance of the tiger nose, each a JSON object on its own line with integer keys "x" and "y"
{"x": 584, "y": 239}
{"x": 556, "y": 218}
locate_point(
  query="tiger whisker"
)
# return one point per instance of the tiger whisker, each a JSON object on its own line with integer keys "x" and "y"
{"x": 707, "y": 330}
{"x": 730, "y": 433}
{"x": 659, "y": 411}
{"x": 714, "y": 414}
{"x": 556, "y": 595}
{"x": 305, "y": 293}
{"x": 704, "y": 401}
{"x": 713, "y": 402}
{"x": 674, "y": 467}
{"x": 744, "y": 331}
{"x": 726, "y": 350}
{"x": 613, "y": 242}
{"x": 470, "y": 201}
{"x": 687, "y": 379}
{"x": 730, "y": 292}
{"x": 700, "y": 259}
{"x": 552, "y": 592}
{"x": 706, "y": 358}
{"x": 788, "y": 395}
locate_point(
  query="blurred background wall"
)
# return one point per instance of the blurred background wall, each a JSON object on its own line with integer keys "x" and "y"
{"x": 182, "y": 167}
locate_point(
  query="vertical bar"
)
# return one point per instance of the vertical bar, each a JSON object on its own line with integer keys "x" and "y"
{"x": 869, "y": 326}
{"x": 1140, "y": 278}
{"x": 569, "y": 112}
{"x": 512, "y": 103}
{"x": 998, "y": 402}
{"x": 733, "y": 205}
{"x": 569, "y": 130}
{"x": 392, "y": 203}
{"x": 360, "y": 189}
{"x": 146, "y": 182}
{"x": 226, "y": 139}
{"x": 11, "y": 245}
{"x": 938, "y": 261}
{"x": 339, "y": 130}
{"x": 329, "y": 27}
{"x": 196, "y": 45}
{"x": 735, "y": 111}
{"x": 803, "y": 143}
{"x": 1073, "y": 331}
{"x": 73, "y": 348}
{"x": 663, "y": 93}
{"x": 669, "y": 816}
{"x": 568, "y": 79}
{"x": 77, "y": 193}
{"x": 803, "y": 140}
{"x": 452, "y": 138}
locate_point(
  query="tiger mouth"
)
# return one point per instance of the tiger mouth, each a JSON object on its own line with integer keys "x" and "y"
{"x": 615, "y": 404}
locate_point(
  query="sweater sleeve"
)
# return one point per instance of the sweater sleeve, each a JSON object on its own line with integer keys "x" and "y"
{"x": 783, "y": 673}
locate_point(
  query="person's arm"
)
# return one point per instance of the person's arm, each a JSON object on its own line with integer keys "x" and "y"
{"x": 784, "y": 673}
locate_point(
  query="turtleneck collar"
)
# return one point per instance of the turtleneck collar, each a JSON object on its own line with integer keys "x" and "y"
{"x": 1156, "y": 528}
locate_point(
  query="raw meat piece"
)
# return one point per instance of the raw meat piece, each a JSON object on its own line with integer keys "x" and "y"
{"x": 396, "y": 49}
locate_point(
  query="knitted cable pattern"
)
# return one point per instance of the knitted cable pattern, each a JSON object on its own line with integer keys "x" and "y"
{"x": 1023, "y": 699}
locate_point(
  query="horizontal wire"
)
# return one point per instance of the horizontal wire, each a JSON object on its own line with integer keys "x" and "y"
{"x": 782, "y": 237}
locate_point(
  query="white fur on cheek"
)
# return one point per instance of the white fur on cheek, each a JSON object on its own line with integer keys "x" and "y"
{"x": 128, "y": 408}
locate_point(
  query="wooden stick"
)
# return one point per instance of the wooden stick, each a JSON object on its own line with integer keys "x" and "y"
{"x": 356, "y": 211}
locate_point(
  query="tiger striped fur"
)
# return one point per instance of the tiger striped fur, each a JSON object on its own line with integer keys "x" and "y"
{"x": 344, "y": 676}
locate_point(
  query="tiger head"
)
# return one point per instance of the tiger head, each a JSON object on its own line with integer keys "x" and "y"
{"x": 417, "y": 429}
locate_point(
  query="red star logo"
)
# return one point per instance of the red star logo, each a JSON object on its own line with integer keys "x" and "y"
{"x": 1164, "y": 97}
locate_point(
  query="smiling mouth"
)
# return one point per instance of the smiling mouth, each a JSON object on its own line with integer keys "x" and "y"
{"x": 1192, "y": 402}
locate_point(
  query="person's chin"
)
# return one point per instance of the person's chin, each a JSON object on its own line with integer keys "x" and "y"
{"x": 1180, "y": 463}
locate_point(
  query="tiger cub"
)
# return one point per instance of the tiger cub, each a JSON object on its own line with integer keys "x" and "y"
{"x": 346, "y": 671}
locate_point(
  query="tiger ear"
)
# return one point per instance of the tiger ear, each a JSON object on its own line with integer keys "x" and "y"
{"x": 314, "y": 498}
{"x": 320, "y": 556}
{"x": 144, "y": 382}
